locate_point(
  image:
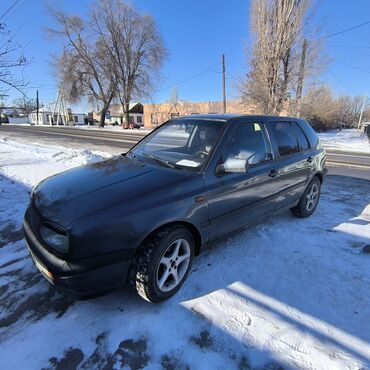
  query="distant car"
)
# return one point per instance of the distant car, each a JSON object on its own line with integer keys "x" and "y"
{"x": 134, "y": 125}
{"x": 144, "y": 215}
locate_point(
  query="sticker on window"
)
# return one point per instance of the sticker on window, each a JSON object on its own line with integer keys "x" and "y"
{"x": 188, "y": 163}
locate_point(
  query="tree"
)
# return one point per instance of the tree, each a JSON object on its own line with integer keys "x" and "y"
{"x": 320, "y": 107}
{"x": 349, "y": 109}
{"x": 11, "y": 61}
{"x": 83, "y": 67}
{"x": 112, "y": 54}
{"x": 135, "y": 49}
{"x": 277, "y": 28}
{"x": 27, "y": 104}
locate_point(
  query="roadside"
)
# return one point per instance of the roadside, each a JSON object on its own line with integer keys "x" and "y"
{"x": 289, "y": 292}
{"x": 107, "y": 127}
{"x": 348, "y": 140}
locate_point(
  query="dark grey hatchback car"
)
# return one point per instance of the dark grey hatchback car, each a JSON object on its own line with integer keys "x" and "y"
{"x": 144, "y": 215}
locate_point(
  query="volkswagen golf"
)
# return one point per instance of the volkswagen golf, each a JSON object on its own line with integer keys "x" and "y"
{"x": 144, "y": 215}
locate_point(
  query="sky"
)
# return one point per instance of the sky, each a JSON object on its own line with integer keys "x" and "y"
{"x": 196, "y": 33}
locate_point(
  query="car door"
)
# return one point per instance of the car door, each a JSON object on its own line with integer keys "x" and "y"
{"x": 294, "y": 162}
{"x": 236, "y": 200}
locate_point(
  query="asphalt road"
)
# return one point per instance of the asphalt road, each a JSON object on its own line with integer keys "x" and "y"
{"x": 339, "y": 163}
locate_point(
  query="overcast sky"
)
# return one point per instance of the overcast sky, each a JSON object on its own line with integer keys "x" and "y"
{"x": 196, "y": 33}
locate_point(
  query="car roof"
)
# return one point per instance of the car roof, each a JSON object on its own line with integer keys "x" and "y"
{"x": 230, "y": 117}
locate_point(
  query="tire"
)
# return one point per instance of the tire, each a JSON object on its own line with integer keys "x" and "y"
{"x": 305, "y": 207}
{"x": 156, "y": 259}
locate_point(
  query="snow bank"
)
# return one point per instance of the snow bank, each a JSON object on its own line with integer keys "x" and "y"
{"x": 290, "y": 292}
{"x": 349, "y": 140}
{"x": 113, "y": 128}
{"x": 30, "y": 164}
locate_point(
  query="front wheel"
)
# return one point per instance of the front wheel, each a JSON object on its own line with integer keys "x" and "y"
{"x": 162, "y": 263}
{"x": 309, "y": 199}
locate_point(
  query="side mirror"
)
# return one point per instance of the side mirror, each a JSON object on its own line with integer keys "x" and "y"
{"x": 233, "y": 165}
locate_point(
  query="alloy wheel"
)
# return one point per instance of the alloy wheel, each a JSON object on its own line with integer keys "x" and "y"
{"x": 173, "y": 265}
{"x": 312, "y": 197}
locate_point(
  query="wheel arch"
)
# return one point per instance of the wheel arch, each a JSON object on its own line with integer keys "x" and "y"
{"x": 193, "y": 229}
{"x": 319, "y": 176}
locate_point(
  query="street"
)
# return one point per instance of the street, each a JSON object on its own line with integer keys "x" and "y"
{"x": 339, "y": 163}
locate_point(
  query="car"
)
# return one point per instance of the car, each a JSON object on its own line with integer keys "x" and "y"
{"x": 134, "y": 125}
{"x": 144, "y": 215}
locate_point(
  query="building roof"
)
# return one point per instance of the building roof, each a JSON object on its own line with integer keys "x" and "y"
{"x": 117, "y": 109}
{"x": 42, "y": 110}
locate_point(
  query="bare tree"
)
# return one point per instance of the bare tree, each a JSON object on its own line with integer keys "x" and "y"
{"x": 112, "y": 55}
{"x": 135, "y": 48}
{"x": 28, "y": 105}
{"x": 349, "y": 109}
{"x": 320, "y": 107}
{"x": 84, "y": 68}
{"x": 277, "y": 28}
{"x": 12, "y": 62}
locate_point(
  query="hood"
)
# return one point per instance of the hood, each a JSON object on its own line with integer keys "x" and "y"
{"x": 70, "y": 195}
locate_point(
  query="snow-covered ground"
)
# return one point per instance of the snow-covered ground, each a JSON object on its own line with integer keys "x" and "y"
{"x": 349, "y": 140}
{"x": 289, "y": 293}
{"x": 113, "y": 128}
{"x": 93, "y": 128}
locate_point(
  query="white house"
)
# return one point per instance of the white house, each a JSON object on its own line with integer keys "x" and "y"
{"x": 116, "y": 114}
{"x": 45, "y": 118}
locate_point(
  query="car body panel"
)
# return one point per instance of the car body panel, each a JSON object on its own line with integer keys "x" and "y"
{"x": 116, "y": 198}
{"x": 238, "y": 200}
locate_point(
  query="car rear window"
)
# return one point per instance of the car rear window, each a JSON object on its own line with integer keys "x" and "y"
{"x": 302, "y": 140}
{"x": 285, "y": 138}
{"x": 310, "y": 133}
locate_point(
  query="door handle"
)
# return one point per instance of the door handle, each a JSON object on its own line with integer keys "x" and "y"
{"x": 272, "y": 173}
{"x": 309, "y": 159}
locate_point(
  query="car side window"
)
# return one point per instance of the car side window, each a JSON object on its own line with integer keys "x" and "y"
{"x": 285, "y": 138}
{"x": 248, "y": 141}
{"x": 301, "y": 137}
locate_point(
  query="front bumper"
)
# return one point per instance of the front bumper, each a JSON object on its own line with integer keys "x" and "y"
{"x": 82, "y": 277}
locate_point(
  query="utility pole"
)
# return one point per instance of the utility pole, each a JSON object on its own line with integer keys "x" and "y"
{"x": 223, "y": 83}
{"x": 301, "y": 77}
{"x": 37, "y": 107}
{"x": 362, "y": 112}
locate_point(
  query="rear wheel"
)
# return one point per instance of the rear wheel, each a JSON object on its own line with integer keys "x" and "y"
{"x": 309, "y": 199}
{"x": 162, "y": 263}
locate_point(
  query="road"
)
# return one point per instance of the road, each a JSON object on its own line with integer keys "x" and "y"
{"x": 339, "y": 163}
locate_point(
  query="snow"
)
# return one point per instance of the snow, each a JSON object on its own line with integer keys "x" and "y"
{"x": 349, "y": 140}
{"x": 30, "y": 164}
{"x": 113, "y": 128}
{"x": 289, "y": 292}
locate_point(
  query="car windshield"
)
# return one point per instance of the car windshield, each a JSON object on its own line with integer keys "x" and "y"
{"x": 180, "y": 143}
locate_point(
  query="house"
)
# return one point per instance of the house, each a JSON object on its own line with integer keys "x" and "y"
{"x": 117, "y": 114}
{"x": 46, "y": 118}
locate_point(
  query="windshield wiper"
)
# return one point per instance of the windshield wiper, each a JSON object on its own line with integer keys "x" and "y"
{"x": 162, "y": 161}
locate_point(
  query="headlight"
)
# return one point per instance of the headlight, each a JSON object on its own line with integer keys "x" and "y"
{"x": 54, "y": 239}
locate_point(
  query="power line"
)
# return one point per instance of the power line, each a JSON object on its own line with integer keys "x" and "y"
{"x": 346, "y": 30}
{"x": 354, "y": 67}
{"x": 187, "y": 79}
{"x": 342, "y": 83}
{"x": 9, "y": 9}
{"x": 350, "y": 46}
